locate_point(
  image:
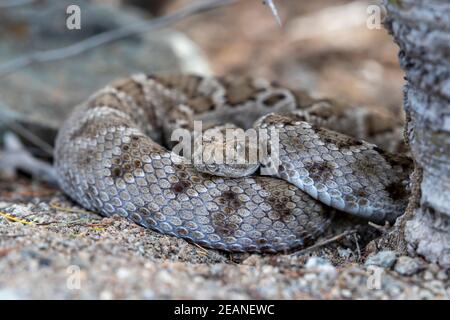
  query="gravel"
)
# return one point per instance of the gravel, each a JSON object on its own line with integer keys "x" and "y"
{"x": 318, "y": 263}
{"x": 407, "y": 266}
{"x": 383, "y": 259}
{"x": 60, "y": 251}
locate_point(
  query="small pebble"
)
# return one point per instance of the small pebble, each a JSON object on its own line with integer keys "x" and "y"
{"x": 317, "y": 262}
{"x": 383, "y": 259}
{"x": 442, "y": 275}
{"x": 425, "y": 295}
{"x": 252, "y": 260}
{"x": 324, "y": 266}
{"x": 433, "y": 267}
{"x": 346, "y": 293}
{"x": 428, "y": 276}
{"x": 345, "y": 253}
{"x": 407, "y": 266}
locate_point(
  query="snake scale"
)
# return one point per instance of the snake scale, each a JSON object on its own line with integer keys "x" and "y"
{"x": 112, "y": 156}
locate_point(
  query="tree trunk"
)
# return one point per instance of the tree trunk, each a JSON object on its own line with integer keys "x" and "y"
{"x": 421, "y": 28}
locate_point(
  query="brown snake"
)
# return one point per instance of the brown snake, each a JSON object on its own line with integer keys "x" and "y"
{"x": 110, "y": 158}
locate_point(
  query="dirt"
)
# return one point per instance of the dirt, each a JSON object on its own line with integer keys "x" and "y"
{"x": 51, "y": 248}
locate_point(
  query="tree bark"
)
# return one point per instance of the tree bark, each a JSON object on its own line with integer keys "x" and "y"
{"x": 421, "y": 28}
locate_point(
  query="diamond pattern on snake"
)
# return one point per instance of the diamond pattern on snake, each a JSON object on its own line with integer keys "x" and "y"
{"x": 113, "y": 156}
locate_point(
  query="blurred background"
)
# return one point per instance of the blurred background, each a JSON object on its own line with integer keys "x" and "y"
{"x": 324, "y": 47}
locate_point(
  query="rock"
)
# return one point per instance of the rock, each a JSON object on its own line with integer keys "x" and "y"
{"x": 318, "y": 263}
{"x": 253, "y": 260}
{"x": 346, "y": 294}
{"x": 407, "y": 266}
{"x": 428, "y": 276}
{"x": 40, "y": 96}
{"x": 442, "y": 275}
{"x": 383, "y": 259}
{"x": 345, "y": 253}
{"x": 320, "y": 272}
{"x": 315, "y": 262}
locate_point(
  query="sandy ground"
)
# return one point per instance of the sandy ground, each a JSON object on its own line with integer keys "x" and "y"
{"x": 51, "y": 248}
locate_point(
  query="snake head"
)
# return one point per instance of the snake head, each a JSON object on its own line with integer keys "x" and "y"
{"x": 224, "y": 151}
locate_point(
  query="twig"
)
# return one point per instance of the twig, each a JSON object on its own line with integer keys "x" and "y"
{"x": 273, "y": 7}
{"x": 203, "y": 250}
{"x": 16, "y": 157}
{"x": 109, "y": 36}
{"x": 325, "y": 242}
{"x": 382, "y": 229}
{"x": 70, "y": 210}
{"x": 28, "y": 135}
{"x": 358, "y": 249}
{"x": 81, "y": 222}
{"x": 23, "y": 132}
{"x": 10, "y": 217}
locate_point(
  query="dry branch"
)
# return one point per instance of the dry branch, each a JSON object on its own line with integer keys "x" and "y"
{"x": 109, "y": 36}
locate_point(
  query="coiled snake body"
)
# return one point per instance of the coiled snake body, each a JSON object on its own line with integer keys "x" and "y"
{"x": 110, "y": 158}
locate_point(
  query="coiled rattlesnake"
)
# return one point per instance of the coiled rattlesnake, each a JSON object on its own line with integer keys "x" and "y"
{"x": 110, "y": 158}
